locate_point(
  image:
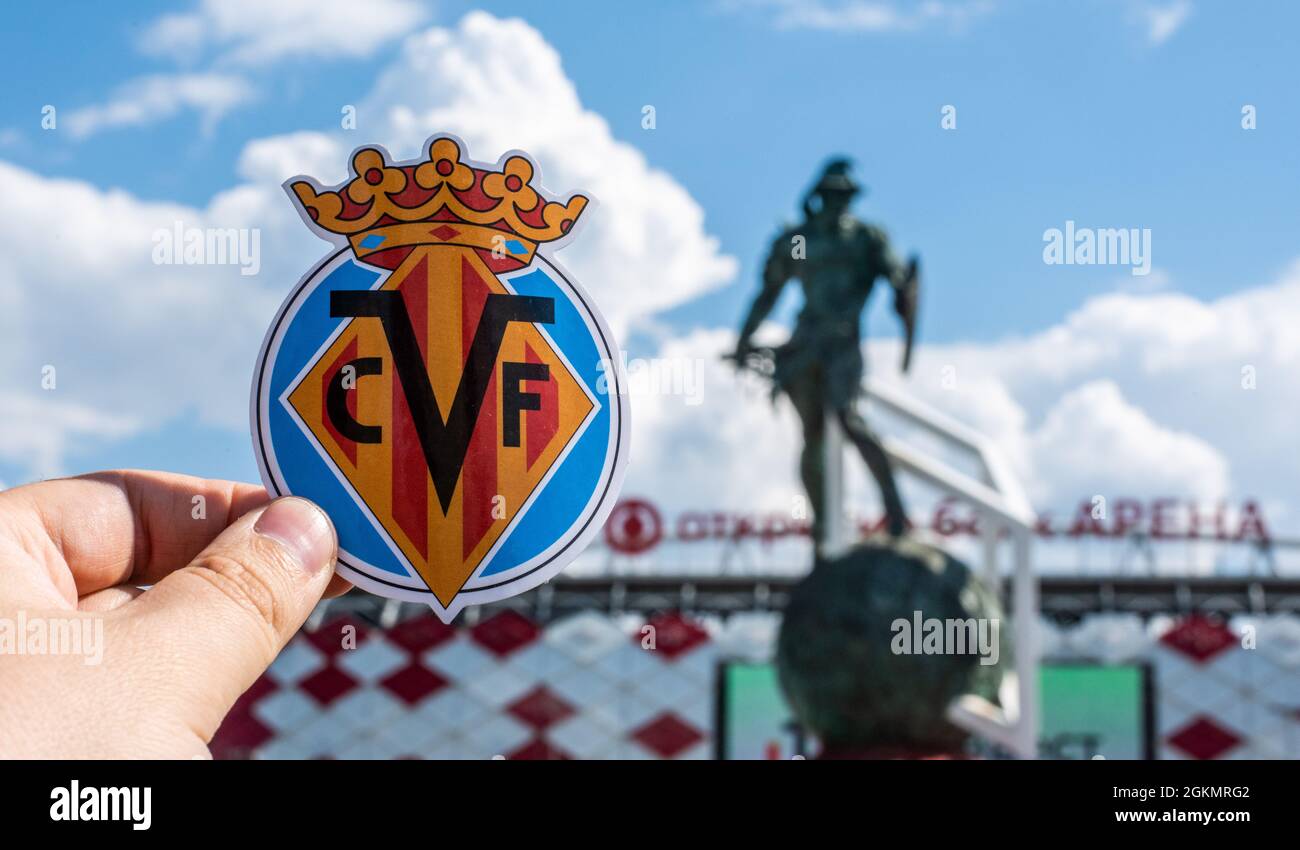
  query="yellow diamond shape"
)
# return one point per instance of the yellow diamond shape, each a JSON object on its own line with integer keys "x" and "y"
{"x": 443, "y": 286}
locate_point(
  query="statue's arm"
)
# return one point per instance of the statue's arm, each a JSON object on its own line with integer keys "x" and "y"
{"x": 898, "y": 274}
{"x": 887, "y": 262}
{"x": 776, "y": 273}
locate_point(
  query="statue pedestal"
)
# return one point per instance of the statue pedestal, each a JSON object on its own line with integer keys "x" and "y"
{"x": 860, "y": 661}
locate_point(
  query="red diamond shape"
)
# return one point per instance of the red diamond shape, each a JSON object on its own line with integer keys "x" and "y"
{"x": 540, "y": 708}
{"x": 413, "y": 683}
{"x": 240, "y": 734}
{"x": 1199, "y": 638}
{"x": 667, "y": 735}
{"x": 420, "y": 633}
{"x": 328, "y": 685}
{"x": 1203, "y": 739}
{"x": 444, "y": 232}
{"x": 264, "y": 686}
{"x": 329, "y": 638}
{"x": 505, "y": 632}
{"x": 539, "y": 749}
{"x": 674, "y": 635}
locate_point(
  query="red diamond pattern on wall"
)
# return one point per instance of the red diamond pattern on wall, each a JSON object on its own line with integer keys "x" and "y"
{"x": 583, "y": 687}
{"x": 328, "y": 684}
{"x": 241, "y": 733}
{"x": 674, "y": 635}
{"x": 666, "y": 735}
{"x": 413, "y": 683}
{"x": 338, "y": 634}
{"x": 505, "y": 632}
{"x": 1200, "y": 638}
{"x": 420, "y": 633}
{"x": 1203, "y": 739}
{"x": 539, "y": 749}
{"x": 503, "y": 686}
{"x": 540, "y": 708}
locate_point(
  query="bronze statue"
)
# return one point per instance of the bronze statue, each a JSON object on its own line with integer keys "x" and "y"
{"x": 837, "y": 259}
{"x": 842, "y": 675}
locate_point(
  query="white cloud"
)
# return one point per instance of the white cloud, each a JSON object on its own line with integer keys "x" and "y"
{"x": 257, "y": 32}
{"x": 40, "y": 449}
{"x": 1160, "y": 379}
{"x": 1132, "y": 395}
{"x": 132, "y": 343}
{"x": 274, "y": 160}
{"x": 149, "y": 99}
{"x": 240, "y": 33}
{"x": 868, "y": 15}
{"x": 733, "y": 449}
{"x": 1094, "y": 441}
{"x": 136, "y": 344}
{"x": 499, "y": 86}
{"x": 1159, "y": 21}
{"x": 1163, "y": 20}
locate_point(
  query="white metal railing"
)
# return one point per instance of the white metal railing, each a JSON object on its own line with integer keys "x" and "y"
{"x": 1005, "y": 516}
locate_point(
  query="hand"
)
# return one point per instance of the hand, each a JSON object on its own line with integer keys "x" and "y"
{"x": 740, "y": 357}
{"x": 146, "y": 673}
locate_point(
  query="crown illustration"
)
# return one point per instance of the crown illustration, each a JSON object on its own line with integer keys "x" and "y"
{"x": 388, "y": 208}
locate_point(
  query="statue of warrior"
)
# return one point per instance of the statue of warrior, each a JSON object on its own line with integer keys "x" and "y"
{"x": 837, "y": 259}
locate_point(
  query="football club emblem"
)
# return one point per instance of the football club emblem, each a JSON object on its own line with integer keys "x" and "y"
{"x": 438, "y": 384}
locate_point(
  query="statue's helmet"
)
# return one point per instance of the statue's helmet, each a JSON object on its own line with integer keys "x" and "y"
{"x": 836, "y": 178}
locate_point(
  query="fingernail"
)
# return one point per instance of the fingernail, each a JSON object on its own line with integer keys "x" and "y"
{"x": 302, "y": 529}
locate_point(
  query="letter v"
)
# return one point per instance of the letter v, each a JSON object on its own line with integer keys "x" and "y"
{"x": 445, "y": 442}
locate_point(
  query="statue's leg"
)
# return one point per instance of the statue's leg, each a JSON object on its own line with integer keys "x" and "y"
{"x": 869, "y": 447}
{"x": 808, "y": 404}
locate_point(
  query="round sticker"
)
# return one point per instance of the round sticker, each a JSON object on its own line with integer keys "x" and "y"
{"x": 439, "y": 385}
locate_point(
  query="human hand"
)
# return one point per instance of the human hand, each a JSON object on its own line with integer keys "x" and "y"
{"x": 152, "y": 672}
{"x": 740, "y": 357}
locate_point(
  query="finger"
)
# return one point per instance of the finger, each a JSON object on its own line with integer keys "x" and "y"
{"x": 127, "y": 526}
{"x": 337, "y": 587}
{"x": 217, "y": 624}
{"x": 108, "y": 599}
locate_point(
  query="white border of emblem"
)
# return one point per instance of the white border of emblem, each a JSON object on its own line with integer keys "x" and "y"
{"x": 568, "y": 545}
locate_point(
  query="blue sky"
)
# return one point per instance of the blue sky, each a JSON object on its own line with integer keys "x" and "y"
{"x": 1093, "y": 111}
{"x": 1064, "y": 111}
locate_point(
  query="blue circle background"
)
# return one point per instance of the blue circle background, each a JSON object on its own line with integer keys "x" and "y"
{"x": 555, "y": 510}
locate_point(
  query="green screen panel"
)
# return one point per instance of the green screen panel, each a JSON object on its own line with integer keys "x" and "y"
{"x": 1087, "y": 710}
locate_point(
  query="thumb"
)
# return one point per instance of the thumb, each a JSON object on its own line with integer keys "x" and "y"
{"x": 208, "y": 630}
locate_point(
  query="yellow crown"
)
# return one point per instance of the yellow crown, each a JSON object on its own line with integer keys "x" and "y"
{"x": 442, "y": 200}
